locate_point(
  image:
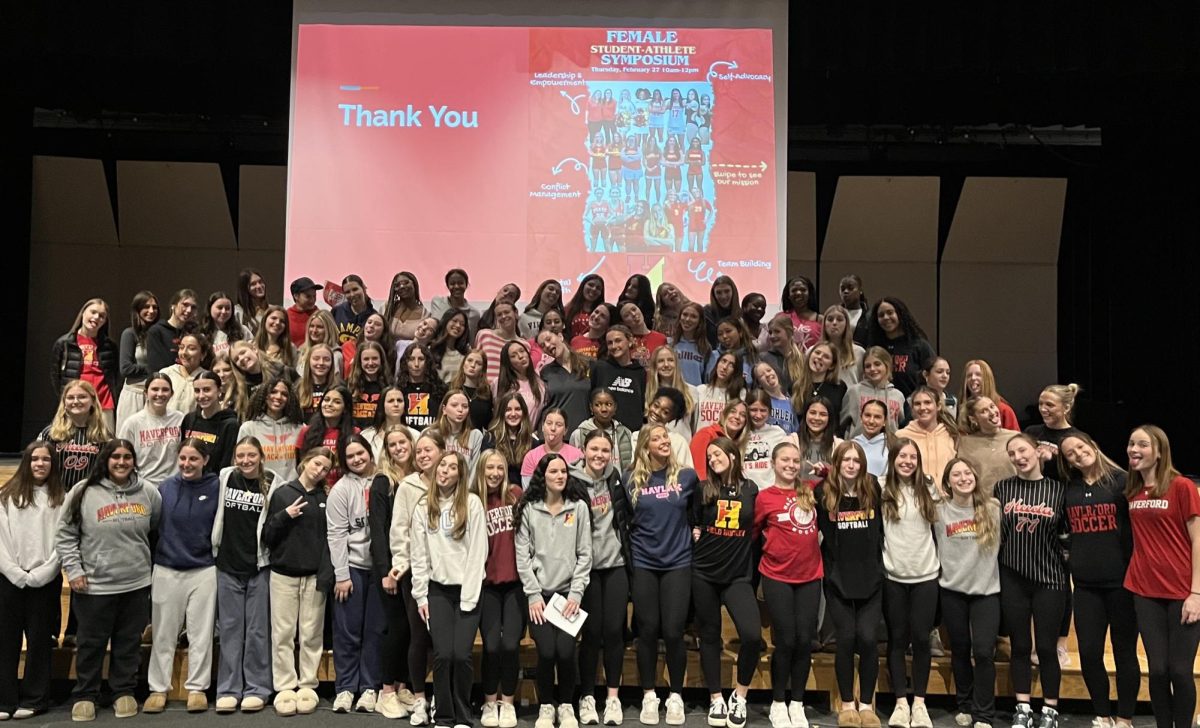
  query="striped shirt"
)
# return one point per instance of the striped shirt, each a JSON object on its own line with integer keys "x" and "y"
{"x": 1031, "y": 524}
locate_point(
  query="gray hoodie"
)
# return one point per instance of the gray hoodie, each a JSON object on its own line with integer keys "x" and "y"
{"x": 278, "y": 440}
{"x": 439, "y": 557}
{"x": 110, "y": 544}
{"x": 27, "y": 555}
{"x": 607, "y": 551}
{"x": 346, "y": 525}
{"x": 554, "y": 551}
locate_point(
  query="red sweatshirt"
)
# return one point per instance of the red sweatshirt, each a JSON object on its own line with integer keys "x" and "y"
{"x": 791, "y": 551}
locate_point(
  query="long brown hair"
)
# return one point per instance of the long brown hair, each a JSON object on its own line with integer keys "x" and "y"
{"x": 18, "y": 491}
{"x": 714, "y": 484}
{"x": 864, "y": 486}
{"x": 458, "y": 507}
{"x": 893, "y": 486}
{"x": 512, "y": 444}
{"x": 987, "y": 510}
{"x": 1164, "y": 471}
{"x": 1104, "y": 469}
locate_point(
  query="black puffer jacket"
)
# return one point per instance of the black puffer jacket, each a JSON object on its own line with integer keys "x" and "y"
{"x": 67, "y": 361}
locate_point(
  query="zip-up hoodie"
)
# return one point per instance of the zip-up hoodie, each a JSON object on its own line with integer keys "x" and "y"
{"x": 410, "y": 492}
{"x": 439, "y": 557}
{"x": 298, "y": 545}
{"x": 609, "y": 516}
{"x": 554, "y": 552}
{"x": 27, "y": 555}
{"x": 859, "y": 394}
{"x": 110, "y": 544}
{"x": 189, "y": 511}
{"x": 219, "y": 432}
{"x": 621, "y": 436}
{"x": 937, "y": 448}
{"x": 347, "y": 529}
{"x": 278, "y": 440}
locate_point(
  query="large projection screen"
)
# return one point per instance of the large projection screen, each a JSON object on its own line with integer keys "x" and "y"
{"x": 541, "y": 141}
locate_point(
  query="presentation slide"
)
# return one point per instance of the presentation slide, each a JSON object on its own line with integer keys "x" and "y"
{"x": 523, "y": 154}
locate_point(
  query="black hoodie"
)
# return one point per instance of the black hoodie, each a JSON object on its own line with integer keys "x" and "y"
{"x": 219, "y": 433}
{"x": 298, "y": 546}
{"x": 627, "y": 385}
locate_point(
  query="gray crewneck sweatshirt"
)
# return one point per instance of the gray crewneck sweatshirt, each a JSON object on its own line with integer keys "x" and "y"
{"x": 346, "y": 525}
{"x": 966, "y": 568}
{"x": 27, "y": 555}
{"x": 909, "y": 554}
{"x": 110, "y": 543}
{"x": 554, "y": 550}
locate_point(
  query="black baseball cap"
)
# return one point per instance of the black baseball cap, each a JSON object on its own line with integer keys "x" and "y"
{"x": 300, "y": 285}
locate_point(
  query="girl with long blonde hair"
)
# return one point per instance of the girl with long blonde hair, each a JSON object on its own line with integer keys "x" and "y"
{"x": 77, "y": 431}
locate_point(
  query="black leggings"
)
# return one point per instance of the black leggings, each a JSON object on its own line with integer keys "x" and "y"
{"x": 394, "y": 650}
{"x": 738, "y": 598}
{"x": 606, "y": 601}
{"x": 1170, "y": 652}
{"x": 793, "y": 610}
{"x": 556, "y": 653}
{"x": 909, "y": 610}
{"x": 1021, "y": 600}
{"x": 972, "y": 623}
{"x": 856, "y": 622}
{"x": 419, "y": 643}
{"x": 502, "y": 610}
{"x": 452, "y": 632}
{"x": 1097, "y": 611}
{"x": 660, "y": 607}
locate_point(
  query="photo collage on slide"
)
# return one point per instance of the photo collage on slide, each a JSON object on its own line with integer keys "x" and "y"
{"x": 649, "y": 147}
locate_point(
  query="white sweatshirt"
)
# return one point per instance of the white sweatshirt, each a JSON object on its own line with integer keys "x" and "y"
{"x": 439, "y": 557}
{"x": 27, "y": 555}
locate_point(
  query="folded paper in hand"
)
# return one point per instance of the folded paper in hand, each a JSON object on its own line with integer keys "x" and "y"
{"x": 554, "y": 615}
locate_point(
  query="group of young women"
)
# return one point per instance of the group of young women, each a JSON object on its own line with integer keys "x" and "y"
{"x": 395, "y": 516}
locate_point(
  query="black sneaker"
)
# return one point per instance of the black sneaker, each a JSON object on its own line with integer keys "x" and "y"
{"x": 1022, "y": 716}
{"x": 1049, "y": 717}
{"x": 717, "y": 713}
{"x": 737, "y": 712}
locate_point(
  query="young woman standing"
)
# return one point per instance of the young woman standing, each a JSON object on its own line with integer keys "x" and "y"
{"x": 1164, "y": 572}
{"x": 183, "y": 592}
{"x": 547, "y": 297}
{"x": 369, "y": 374}
{"x": 517, "y": 375}
{"x": 690, "y": 343}
{"x": 511, "y": 433}
{"x": 761, "y": 439}
{"x": 1101, "y": 544}
{"x": 723, "y": 302}
{"x": 932, "y": 430}
{"x": 107, "y": 562}
{"x": 816, "y": 438}
{"x": 193, "y": 351}
{"x": 213, "y": 425}
{"x": 243, "y": 581}
{"x": 404, "y": 311}
{"x": 799, "y": 303}
{"x": 252, "y": 301}
{"x": 351, "y": 314}
{"x": 457, "y": 283}
{"x": 664, "y": 372}
{"x": 820, "y": 378}
{"x": 554, "y": 556}
{"x": 162, "y": 339}
{"x": 624, "y": 378}
{"x": 848, "y": 514}
{"x": 423, "y": 391}
{"x": 893, "y": 327}
{"x": 491, "y": 341}
{"x": 839, "y": 334}
{"x": 395, "y": 464}
{"x": 566, "y": 379}
{"x": 471, "y": 379}
{"x": 142, "y": 315}
{"x": 733, "y": 424}
{"x": 725, "y": 383}
{"x": 357, "y": 615}
{"x": 937, "y": 378}
{"x": 875, "y": 384}
{"x": 979, "y": 381}
{"x": 874, "y": 439}
{"x": 785, "y": 514}
{"x": 218, "y": 324}
{"x": 984, "y": 442}
{"x": 554, "y": 433}
{"x": 449, "y": 552}
{"x": 588, "y": 296}
{"x": 910, "y": 589}
{"x": 274, "y": 340}
{"x": 782, "y": 410}
{"x": 1056, "y": 405}
{"x": 155, "y": 431}
{"x": 604, "y": 409}
{"x": 501, "y": 605}
{"x": 320, "y": 329}
{"x": 1033, "y": 576}
{"x": 660, "y": 541}
{"x": 86, "y": 352}
{"x": 320, "y": 373}
{"x": 591, "y": 343}
{"x": 30, "y": 579}
{"x": 412, "y": 491}
{"x": 275, "y": 420}
{"x": 451, "y": 342}
{"x": 330, "y": 428}
{"x": 295, "y": 536}
{"x": 607, "y": 594}
{"x": 968, "y": 534}
{"x": 722, "y": 515}
{"x": 77, "y": 432}
{"x": 454, "y": 425}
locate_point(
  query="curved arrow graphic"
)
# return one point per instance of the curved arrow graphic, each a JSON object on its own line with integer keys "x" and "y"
{"x": 712, "y": 70}
{"x": 574, "y": 101}
{"x": 556, "y": 169}
{"x": 595, "y": 268}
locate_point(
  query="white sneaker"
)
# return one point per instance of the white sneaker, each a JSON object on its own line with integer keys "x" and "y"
{"x": 718, "y": 713}
{"x": 1099, "y": 722}
{"x": 964, "y": 719}
{"x": 389, "y": 706}
{"x": 587, "y": 710}
{"x": 675, "y": 710}
{"x": 406, "y": 698}
{"x": 508, "y": 715}
{"x": 343, "y": 702}
{"x": 796, "y": 714}
{"x": 649, "y": 714}
{"x": 935, "y": 644}
{"x": 614, "y": 714}
{"x": 545, "y": 717}
{"x": 366, "y": 702}
{"x": 920, "y": 716}
{"x": 737, "y": 712}
{"x": 566, "y": 716}
{"x": 901, "y": 715}
{"x": 23, "y": 713}
{"x": 489, "y": 715}
{"x": 419, "y": 715}
{"x": 779, "y": 715}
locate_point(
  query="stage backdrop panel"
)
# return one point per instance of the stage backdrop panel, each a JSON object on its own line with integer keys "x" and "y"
{"x": 999, "y": 282}
{"x": 801, "y": 228}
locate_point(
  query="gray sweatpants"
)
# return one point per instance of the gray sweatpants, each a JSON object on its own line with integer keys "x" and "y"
{"x": 178, "y": 598}
{"x": 244, "y": 629}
